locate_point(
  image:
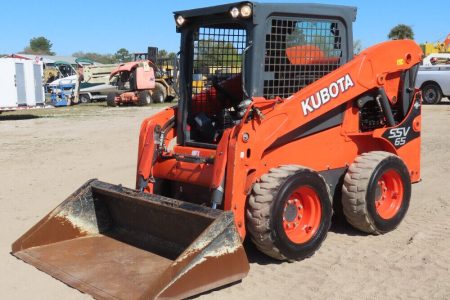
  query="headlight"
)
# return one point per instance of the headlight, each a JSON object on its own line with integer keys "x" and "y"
{"x": 246, "y": 10}
{"x": 180, "y": 20}
{"x": 234, "y": 12}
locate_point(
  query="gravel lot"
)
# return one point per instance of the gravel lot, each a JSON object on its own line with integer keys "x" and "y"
{"x": 47, "y": 154}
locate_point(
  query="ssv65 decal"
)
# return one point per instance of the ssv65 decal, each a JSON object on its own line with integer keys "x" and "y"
{"x": 398, "y": 135}
{"x": 404, "y": 133}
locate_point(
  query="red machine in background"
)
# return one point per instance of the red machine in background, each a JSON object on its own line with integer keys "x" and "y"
{"x": 135, "y": 82}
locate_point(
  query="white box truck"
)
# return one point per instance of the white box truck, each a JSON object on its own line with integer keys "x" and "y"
{"x": 20, "y": 84}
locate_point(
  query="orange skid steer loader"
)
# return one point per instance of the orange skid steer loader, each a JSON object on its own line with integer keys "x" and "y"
{"x": 286, "y": 123}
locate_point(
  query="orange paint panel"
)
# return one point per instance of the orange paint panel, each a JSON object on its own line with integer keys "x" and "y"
{"x": 410, "y": 153}
{"x": 146, "y": 140}
{"x": 202, "y": 152}
{"x": 145, "y": 78}
{"x": 128, "y": 97}
{"x": 199, "y": 174}
{"x": 376, "y": 67}
{"x": 308, "y": 55}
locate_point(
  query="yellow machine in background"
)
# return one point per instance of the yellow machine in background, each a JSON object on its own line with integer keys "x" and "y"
{"x": 439, "y": 47}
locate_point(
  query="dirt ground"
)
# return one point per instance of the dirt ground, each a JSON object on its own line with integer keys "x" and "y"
{"x": 45, "y": 155}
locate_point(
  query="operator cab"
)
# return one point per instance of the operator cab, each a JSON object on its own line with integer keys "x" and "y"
{"x": 231, "y": 53}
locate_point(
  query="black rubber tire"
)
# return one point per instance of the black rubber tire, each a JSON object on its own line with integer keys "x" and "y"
{"x": 431, "y": 93}
{"x": 169, "y": 99}
{"x": 144, "y": 98}
{"x": 359, "y": 190}
{"x": 111, "y": 99}
{"x": 159, "y": 93}
{"x": 266, "y": 206}
{"x": 73, "y": 100}
{"x": 84, "y": 98}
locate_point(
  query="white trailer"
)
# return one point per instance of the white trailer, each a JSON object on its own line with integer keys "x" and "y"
{"x": 20, "y": 84}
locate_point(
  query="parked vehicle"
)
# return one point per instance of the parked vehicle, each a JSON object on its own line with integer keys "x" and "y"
{"x": 96, "y": 92}
{"x": 434, "y": 82}
{"x": 21, "y": 84}
{"x": 72, "y": 79}
{"x": 57, "y": 71}
{"x": 135, "y": 82}
{"x": 63, "y": 95}
{"x": 436, "y": 59}
{"x": 93, "y": 83}
{"x": 166, "y": 73}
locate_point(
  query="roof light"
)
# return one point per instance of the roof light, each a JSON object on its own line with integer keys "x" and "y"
{"x": 246, "y": 10}
{"x": 180, "y": 20}
{"x": 234, "y": 12}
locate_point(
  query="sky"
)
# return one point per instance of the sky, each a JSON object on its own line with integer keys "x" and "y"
{"x": 105, "y": 26}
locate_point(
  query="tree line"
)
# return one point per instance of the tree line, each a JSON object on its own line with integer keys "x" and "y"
{"x": 43, "y": 46}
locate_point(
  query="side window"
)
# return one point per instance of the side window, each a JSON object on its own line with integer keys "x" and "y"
{"x": 298, "y": 52}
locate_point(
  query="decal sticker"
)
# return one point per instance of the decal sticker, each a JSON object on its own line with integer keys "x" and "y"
{"x": 398, "y": 135}
{"x": 405, "y": 132}
{"x": 326, "y": 94}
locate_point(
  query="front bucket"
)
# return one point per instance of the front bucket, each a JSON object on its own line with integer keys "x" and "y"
{"x": 113, "y": 242}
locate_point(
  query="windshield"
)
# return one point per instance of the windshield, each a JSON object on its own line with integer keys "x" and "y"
{"x": 217, "y": 61}
{"x": 215, "y": 89}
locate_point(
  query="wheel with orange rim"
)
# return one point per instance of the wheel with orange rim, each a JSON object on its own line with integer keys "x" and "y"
{"x": 376, "y": 192}
{"x": 389, "y": 194}
{"x": 289, "y": 212}
{"x": 302, "y": 214}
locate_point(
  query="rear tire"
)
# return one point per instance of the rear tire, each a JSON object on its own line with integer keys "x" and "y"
{"x": 289, "y": 212}
{"x": 431, "y": 93}
{"x": 159, "y": 94}
{"x": 144, "y": 98}
{"x": 111, "y": 99}
{"x": 376, "y": 192}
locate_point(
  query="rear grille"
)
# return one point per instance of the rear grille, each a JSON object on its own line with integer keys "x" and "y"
{"x": 298, "y": 52}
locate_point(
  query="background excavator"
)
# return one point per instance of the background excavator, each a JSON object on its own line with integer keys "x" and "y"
{"x": 287, "y": 124}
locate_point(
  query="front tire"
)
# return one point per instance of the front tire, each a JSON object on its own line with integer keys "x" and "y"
{"x": 111, "y": 99}
{"x": 144, "y": 98}
{"x": 84, "y": 98}
{"x": 289, "y": 212}
{"x": 159, "y": 93}
{"x": 431, "y": 93}
{"x": 376, "y": 192}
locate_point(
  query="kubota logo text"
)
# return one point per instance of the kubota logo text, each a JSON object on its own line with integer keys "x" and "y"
{"x": 315, "y": 101}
